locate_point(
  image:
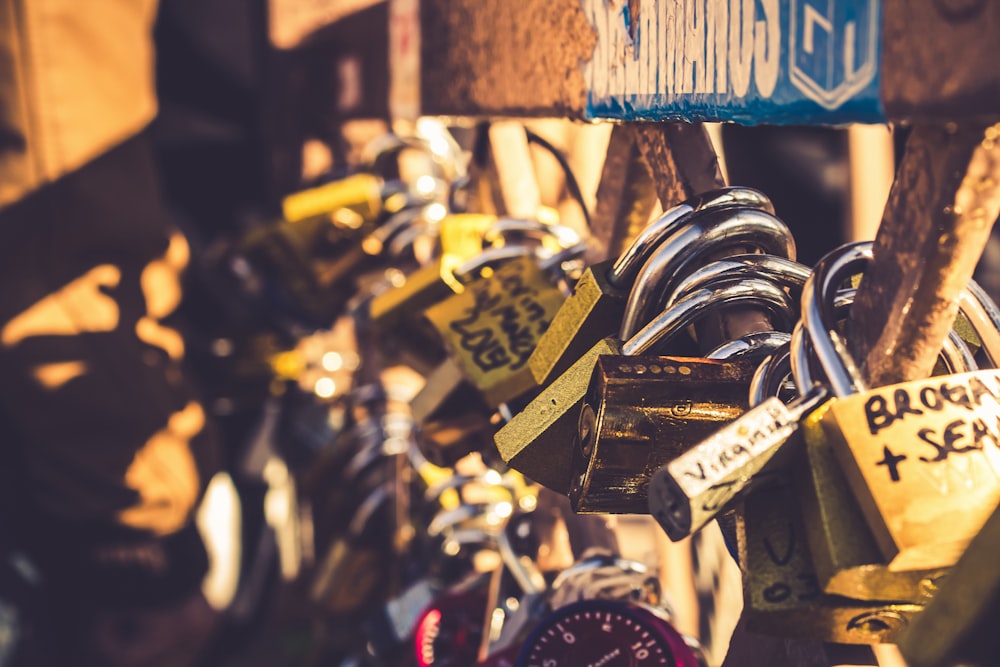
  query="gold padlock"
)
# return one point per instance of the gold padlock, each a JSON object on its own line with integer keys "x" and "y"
{"x": 846, "y": 557}
{"x": 452, "y": 418}
{"x": 360, "y": 194}
{"x": 598, "y": 301}
{"x": 493, "y": 326}
{"x": 781, "y": 595}
{"x": 539, "y": 441}
{"x": 923, "y": 457}
{"x": 642, "y": 412}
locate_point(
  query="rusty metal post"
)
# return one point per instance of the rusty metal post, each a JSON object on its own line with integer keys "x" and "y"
{"x": 941, "y": 209}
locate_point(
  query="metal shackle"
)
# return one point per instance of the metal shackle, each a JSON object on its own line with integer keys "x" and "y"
{"x": 984, "y": 317}
{"x": 770, "y": 374}
{"x": 625, "y": 269}
{"x": 785, "y": 272}
{"x": 758, "y": 344}
{"x": 751, "y": 291}
{"x": 819, "y": 317}
{"x": 442, "y": 150}
{"x": 535, "y": 230}
{"x": 707, "y": 232}
{"x": 491, "y": 257}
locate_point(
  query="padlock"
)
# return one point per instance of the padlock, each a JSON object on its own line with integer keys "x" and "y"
{"x": 846, "y": 558}
{"x": 781, "y": 595}
{"x": 922, "y": 457}
{"x": 959, "y": 625}
{"x": 703, "y": 481}
{"x": 641, "y": 412}
{"x": 492, "y": 327}
{"x": 361, "y": 194}
{"x": 539, "y": 441}
{"x": 598, "y": 301}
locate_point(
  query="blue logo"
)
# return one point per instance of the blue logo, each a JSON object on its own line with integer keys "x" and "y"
{"x": 833, "y": 48}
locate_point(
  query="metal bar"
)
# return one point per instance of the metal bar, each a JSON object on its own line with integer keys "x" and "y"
{"x": 942, "y": 207}
{"x": 625, "y": 196}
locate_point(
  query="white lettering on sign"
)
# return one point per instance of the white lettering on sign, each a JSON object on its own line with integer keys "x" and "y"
{"x": 684, "y": 47}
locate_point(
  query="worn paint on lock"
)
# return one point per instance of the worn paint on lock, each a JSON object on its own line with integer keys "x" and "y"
{"x": 494, "y": 325}
{"x": 595, "y": 306}
{"x": 923, "y": 459}
{"x": 781, "y": 593}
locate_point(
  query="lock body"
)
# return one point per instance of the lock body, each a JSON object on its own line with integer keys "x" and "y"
{"x": 593, "y": 311}
{"x": 641, "y": 412}
{"x": 846, "y": 558}
{"x": 923, "y": 459}
{"x": 539, "y": 440}
{"x": 494, "y": 325}
{"x": 781, "y": 595}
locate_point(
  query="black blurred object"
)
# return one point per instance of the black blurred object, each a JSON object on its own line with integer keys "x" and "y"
{"x": 806, "y": 173}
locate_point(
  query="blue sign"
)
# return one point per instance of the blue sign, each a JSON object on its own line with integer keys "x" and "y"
{"x": 748, "y": 61}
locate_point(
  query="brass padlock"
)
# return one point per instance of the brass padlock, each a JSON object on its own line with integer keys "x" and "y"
{"x": 597, "y": 304}
{"x": 493, "y": 326}
{"x": 539, "y": 441}
{"x": 361, "y": 194}
{"x": 922, "y": 457}
{"x": 453, "y": 420}
{"x": 318, "y": 244}
{"x": 781, "y": 595}
{"x": 640, "y": 413}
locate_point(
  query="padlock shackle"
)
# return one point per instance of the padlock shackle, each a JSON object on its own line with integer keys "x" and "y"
{"x": 984, "y": 317}
{"x": 625, "y": 269}
{"x": 819, "y": 318}
{"x": 707, "y": 232}
{"x": 533, "y": 229}
{"x": 671, "y": 321}
{"x": 786, "y": 272}
{"x": 955, "y": 354}
{"x": 770, "y": 374}
{"x": 444, "y": 154}
{"x": 490, "y": 257}
{"x": 755, "y": 344}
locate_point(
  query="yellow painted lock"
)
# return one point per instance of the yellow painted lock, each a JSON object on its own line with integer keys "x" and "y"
{"x": 351, "y": 201}
{"x": 493, "y": 326}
